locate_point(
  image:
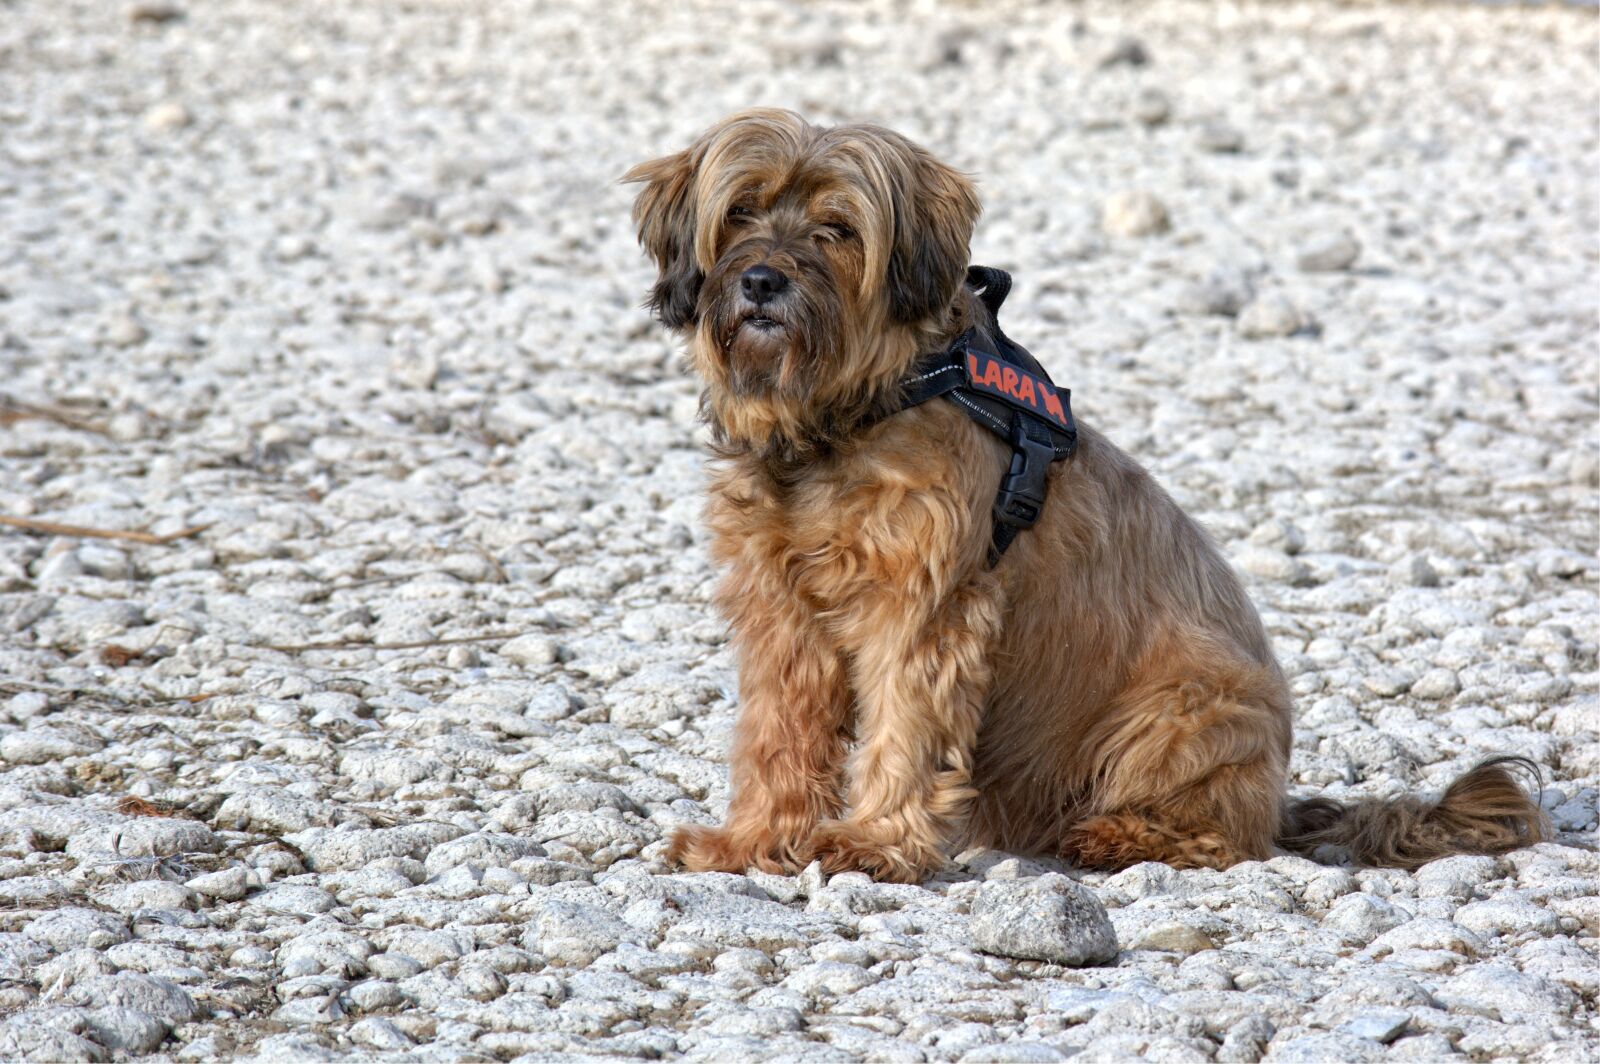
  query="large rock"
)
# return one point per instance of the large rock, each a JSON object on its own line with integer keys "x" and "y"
{"x": 1050, "y": 918}
{"x": 73, "y": 928}
{"x": 146, "y": 837}
{"x": 160, "y": 998}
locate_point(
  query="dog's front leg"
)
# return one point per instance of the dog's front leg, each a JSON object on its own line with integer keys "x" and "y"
{"x": 921, "y": 677}
{"x": 788, "y": 745}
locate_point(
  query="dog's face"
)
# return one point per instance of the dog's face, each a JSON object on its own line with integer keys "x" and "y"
{"x": 807, "y": 264}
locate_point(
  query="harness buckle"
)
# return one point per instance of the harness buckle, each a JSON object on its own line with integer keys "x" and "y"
{"x": 1022, "y": 489}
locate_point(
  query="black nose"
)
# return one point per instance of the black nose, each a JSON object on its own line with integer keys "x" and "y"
{"x": 761, "y": 283}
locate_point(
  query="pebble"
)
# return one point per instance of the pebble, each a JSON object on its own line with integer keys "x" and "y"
{"x": 229, "y": 884}
{"x": 126, "y": 1030}
{"x": 1270, "y": 315}
{"x": 1219, "y": 138}
{"x": 1134, "y": 213}
{"x": 1123, "y": 51}
{"x": 1436, "y": 685}
{"x": 167, "y": 116}
{"x": 1224, "y": 293}
{"x": 73, "y": 928}
{"x": 529, "y": 650}
{"x": 154, "y": 11}
{"x": 1152, "y": 107}
{"x": 1049, "y": 918}
{"x": 1328, "y": 253}
{"x": 1172, "y": 936}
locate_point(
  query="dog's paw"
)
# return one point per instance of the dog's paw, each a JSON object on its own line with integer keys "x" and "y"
{"x": 707, "y": 849}
{"x": 850, "y": 846}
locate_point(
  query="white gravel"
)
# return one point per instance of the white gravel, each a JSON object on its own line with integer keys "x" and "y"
{"x": 353, "y": 285}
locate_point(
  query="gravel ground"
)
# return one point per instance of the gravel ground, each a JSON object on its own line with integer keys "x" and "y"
{"x": 382, "y": 759}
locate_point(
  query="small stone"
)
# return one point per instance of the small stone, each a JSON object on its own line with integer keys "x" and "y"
{"x": 147, "y": 894}
{"x": 415, "y": 369}
{"x": 1389, "y": 682}
{"x": 530, "y": 650}
{"x": 1455, "y": 877}
{"x": 1219, "y": 138}
{"x": 230, "y": 884}
{"x": 1134, "y": 213}
{"x": 22, "y": 1039}
{"x": 1050, "y": 918}
{"x": 1152, "y": 107}
{"x": 1414, "y": 570}
{"x": 378, "y": 1033}
{"x": 1223, "y": 293}
{"x": 1124, "y": 51}
{"x": 26, "y": 705}
{"x": 1273, "y": 565}
{"x": 1380, "y": 1025}
{"x": 167, "y": 116}
{"x": 373, "y": 994}
{"x": 1360, "y": 918}
{"x": 1319, "y": 1047}
{"x": 551, "y": 702}
{"x": 481, "y": 983}
{"x": 1279, "y": 533}
{"x": 1172, "y": 936}
{"x": 1270, "y": 315}
{"x": 129, "y": 1030}
{"x": 41, "y": 745}
{"x": 60, "y": 972}
{"x": 1583, "y": 467}
{"x": 1508, "y": 915}
{"x": 153, "y": 11}
{"x": 292, "y": 247}
{"x": 1436, "y": 685}
{"x": 393, "y": 966}
{"x": 106, "y": 562}
{"x": 314, "y": 1011}
{"x": 126, "y": 331}
{"x": 1328, "y": 253}
{"x": 70, "y": 928}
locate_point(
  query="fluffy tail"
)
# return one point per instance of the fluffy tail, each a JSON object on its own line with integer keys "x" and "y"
{"x": 1484, "y": 811}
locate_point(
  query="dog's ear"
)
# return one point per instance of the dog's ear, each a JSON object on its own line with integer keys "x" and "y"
{"x": 934, "y": 217}
{"x": 665, "y": 217}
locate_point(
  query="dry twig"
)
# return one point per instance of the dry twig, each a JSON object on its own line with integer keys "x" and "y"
{"x": 133, "y": 805}
{"x": 51, "y": 528}
{"x": 361, "y": 644}
{"x": 15, "y": 410}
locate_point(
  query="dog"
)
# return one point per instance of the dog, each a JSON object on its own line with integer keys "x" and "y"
{"x": 1104, "y": 693}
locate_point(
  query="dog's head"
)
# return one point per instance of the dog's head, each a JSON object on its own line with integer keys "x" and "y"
{"x": 808, "y": 265}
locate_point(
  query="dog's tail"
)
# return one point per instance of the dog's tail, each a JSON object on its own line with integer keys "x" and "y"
{"x": 1485, "y": 811}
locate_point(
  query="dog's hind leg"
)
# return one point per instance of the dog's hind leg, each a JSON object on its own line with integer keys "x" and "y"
{"x": 920, "y": 685}
{"x": 1190, "y": 770}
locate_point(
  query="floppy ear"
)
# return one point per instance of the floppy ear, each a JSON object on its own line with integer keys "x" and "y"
{"x": 664, "y": 215}
{"x": 933, "y": 224}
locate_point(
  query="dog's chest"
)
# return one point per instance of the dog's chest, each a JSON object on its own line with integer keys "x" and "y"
{"x": 835, "y": 534}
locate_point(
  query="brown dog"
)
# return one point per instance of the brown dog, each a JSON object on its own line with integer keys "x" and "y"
{"x": 1106, "y": 692}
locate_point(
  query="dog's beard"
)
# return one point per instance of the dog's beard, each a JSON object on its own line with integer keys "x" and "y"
{"x": 781, "y": 349}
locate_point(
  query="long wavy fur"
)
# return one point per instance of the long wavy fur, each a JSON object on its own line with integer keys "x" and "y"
{"x": 1485, "y": 811}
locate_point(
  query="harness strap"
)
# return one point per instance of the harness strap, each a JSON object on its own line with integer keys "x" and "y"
{"x": 1008, "y": 393}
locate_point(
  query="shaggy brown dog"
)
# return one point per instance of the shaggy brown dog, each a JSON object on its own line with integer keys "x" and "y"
{"x": 1106, "y": 692}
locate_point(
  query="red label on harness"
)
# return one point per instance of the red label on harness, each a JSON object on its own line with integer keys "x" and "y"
{"x": 1017, "y": 387}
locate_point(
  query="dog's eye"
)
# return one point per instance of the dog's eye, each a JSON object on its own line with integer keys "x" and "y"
{"x": 739, "y": 214}
{"x": 838, "y": 231}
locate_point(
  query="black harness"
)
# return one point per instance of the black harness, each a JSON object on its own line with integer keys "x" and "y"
{"x": 999, "y": 385}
